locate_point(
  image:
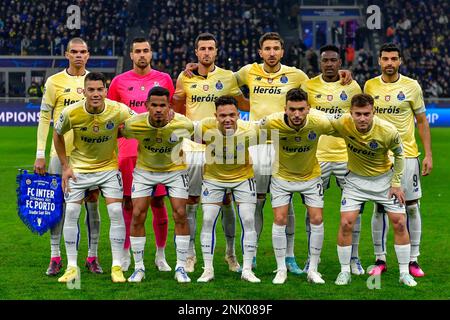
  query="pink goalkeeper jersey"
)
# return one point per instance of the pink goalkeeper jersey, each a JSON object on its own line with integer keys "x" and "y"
{"x": 132, "y": 89}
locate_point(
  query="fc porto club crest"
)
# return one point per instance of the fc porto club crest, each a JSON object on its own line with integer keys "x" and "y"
{"x": 156, "y": 84}
{"x": 329, "y": 97}
{"x": 401, "y": 96}
{"x": 343, "y": 96}
{"x": 284, "y": 79}
{"x": 373, "y": 144}
{"x": 79, "y": 90}
{"x": 54, "y": 184}
{"x": 387, "y": 98}
{"x": 110, "y": 125}
{"x": 219, "y": 85}
{"x": 205, "y": 87}
{"x": 312, "y": 135}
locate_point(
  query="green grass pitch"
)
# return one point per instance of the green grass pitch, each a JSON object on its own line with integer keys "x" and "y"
{"x": 24, "y": 256}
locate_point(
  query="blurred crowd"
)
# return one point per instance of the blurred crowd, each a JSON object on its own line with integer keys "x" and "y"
{"x": 421, "y": 28}
{"x": 39, "y": 27}
{"x": 237, "y": 25}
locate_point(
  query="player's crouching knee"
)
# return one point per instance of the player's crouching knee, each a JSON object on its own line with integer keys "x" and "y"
{"x": 346, "y": 225}
{"x": 399, "y": 223}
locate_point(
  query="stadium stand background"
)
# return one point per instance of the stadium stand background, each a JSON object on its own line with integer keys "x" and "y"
{"x": 421, "y": 29}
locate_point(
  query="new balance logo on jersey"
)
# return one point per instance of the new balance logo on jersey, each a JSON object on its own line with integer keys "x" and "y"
{"x": 263, "y": 90}
{"x": 193, "y": 86}
{"x": 130, "y": 88}
{"x": 67, "y": 90}
{"x": 389, "y": 110}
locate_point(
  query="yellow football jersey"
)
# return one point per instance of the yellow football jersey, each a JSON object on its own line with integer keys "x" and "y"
{"x": 368, "y": 153}
{"x": 60, "y": 91}
{"x": 201, "y": 93}
{"x": 334, "y": 99}
{"x": 227, "y": 157}
{"x": 159, "y": 148}
{"x": 295, "y": 151}
{"x": 397, "y": 103}
{"x": 95, "y": 135}
{"x": 268, "y": 90}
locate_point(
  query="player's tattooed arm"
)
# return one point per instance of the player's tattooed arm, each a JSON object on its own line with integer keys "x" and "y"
{"x": 243, "y": 102}
{"x": 425, "y": 135}
{"x": 346, "y": 77}
{"x": 179, "y": 98}
{"x": 190, "y": 68}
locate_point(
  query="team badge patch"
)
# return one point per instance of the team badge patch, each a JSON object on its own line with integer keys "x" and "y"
{"x": 373, "y": 144}
{"x": 205, "y": 87}
{"x": 173, "y": 138}
{"x": 329, "y": 97}
{"x": 79, "y": 90}
{"x": 219, "y": 85}
{"x": 312, "y": 135}
{"x": 401, "y": 96}
{"x": 387, "y": 98}
{"x": 110, "y": 125}
{"x": 343, "y": 96}
{"x": 284, "y": 79}
{"x": 39, "y": 200}
{"x": 206, "y": 192}
{"x": 156, "y": 84}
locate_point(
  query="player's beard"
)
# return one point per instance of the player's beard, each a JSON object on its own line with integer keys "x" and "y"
{"x": 391, "y": 72}
{"x": 142, "y": 64}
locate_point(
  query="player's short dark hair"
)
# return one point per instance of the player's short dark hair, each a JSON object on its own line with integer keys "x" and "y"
{"x": 330, "y": 47}
{"x": 296, "y": 94}
{"x": 390, "y": 47}
{"x": 95, "y": 76}
{"x": 158, "y": 91}
{"x": 271, "y": 36}
{"x": 139, "y": 40}
{"x": 224, "y": 100}
{"x": 362, "y": 100}
{"x": 76, "y": 40}
{"x": 205, "y": 36}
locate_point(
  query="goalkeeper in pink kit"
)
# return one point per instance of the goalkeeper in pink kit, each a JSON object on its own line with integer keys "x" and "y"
{"x": 131, "y": 88}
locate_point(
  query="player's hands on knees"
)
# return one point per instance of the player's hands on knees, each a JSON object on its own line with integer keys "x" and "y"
{"x": 66, "y": 175}
{"x": 427, "y": 165}
{"x": 190, "y": 68}
{"x": 39, "y": 166}
{"x": 345, "y": 76}
{"x": 398, "y": 193}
